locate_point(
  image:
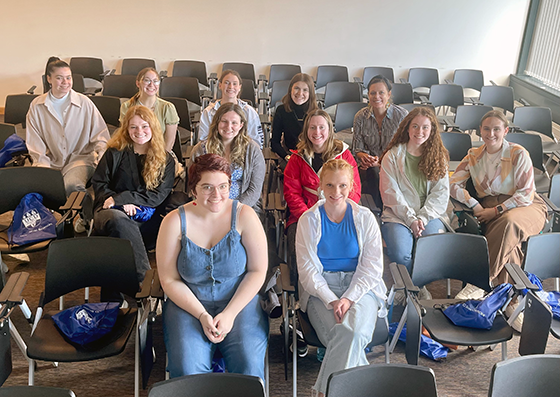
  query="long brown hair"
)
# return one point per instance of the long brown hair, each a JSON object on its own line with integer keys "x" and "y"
{"x": 156, "y": 157}
{"x": 305, "y": 147}
{"x": 434, "y": 162}
{"x": 239, "y": 144}
{"x": 311, "y": 101}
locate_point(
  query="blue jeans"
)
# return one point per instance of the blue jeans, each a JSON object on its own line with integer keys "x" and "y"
{"x": 345, "y": 342}
{"x": 400, "y": 241}
{"x": 190, "y": 352}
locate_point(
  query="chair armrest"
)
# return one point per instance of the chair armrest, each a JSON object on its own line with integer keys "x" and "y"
{"x": 206, "y": 94}
{"x": 397, "y": 278}
{"x": 31, "y": 90}
{"x": 520, "y": 279}
{"x": 403, "y": 81}
{"x": 425, "y": 100}
{"x": 408, "y": 284}
{"x": 447, "y": 121}
{"x": 162, "y": 74}
{"x": 459, "y": 207}
{"x": 285, "y": 278}
{"x": 493, "y": 82}
{"x": 11, "y": 293}
{"x": 146, "y": 286}
{"x": 263, "y": 96}
{"x": 265, "y": 119}
{"x": 213, "y": 76}
{"x": 447, "y": 81}
{"x": 358, "y": 80}
{"x": 524, "y": 102}
{"x": 262, "y": 77}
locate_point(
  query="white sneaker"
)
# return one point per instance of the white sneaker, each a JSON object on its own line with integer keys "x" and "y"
{"x": 80, "y": 225}
{"x": 20, "y": 257}
{"x": 471, "y": 292}
{"x": 518, "y": 322}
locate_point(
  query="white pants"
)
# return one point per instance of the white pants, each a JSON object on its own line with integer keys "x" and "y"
{"x": 345, "y": 342}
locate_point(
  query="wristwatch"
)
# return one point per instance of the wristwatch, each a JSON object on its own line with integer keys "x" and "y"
{"x": 500, "y": 208}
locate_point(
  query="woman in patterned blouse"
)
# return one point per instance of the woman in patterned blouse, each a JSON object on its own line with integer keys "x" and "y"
{"x": 506, "y": 204}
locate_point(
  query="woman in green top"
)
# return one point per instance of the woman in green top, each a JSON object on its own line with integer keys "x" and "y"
{"x": 414, "y": 184}
{"x": 148, "y": 82}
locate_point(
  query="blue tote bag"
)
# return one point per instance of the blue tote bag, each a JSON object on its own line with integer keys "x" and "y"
{"x": 32, "y": 221}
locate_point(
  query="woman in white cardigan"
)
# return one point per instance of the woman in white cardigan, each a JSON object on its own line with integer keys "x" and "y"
{"x": 340, "y": 266}
{"x": 414, "y": 185}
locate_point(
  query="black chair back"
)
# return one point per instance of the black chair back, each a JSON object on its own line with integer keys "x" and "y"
{"x": 329, "y": 73}
{"x": 210, "y": 385}
{"x": 446, "y": 95}
{"x": 91, "y": 68}
{"x": 533, "y": 144}
{"x": 342, "y": 91}
{"x": 181, "y": 87}
{"x": 497, "y": 96}
{"x": 536, "y": 326}
{"x": 534, "y": 118}
{"x": 383, "y": 380}
{"x": 542, "y": 255}
{"x": 468, "y": 117}
{"x": 109, "y": 107}
{"x": 457, "y": 144}
{"x": 196, "y": 69}
{"x": 413, "y": 330}
{"x": 182, "y": 108}
{"x": 132, "y": 66}
{"x": 90, "y": 262}
{"x": 121, "y": 86}
{"x": 345, "y": 112}
{"x": 372, "y": 71}
{"x": 423, "y": 77}
{"x": 469, "y": 78}
{"x": 16, "y": 108}
{"x": 245, "y": 70}
{"x": 456, "y": 256}
{"x": 402, "y": 93}
{"x": 280, "y": 72}
{"x": 47, "y": 182}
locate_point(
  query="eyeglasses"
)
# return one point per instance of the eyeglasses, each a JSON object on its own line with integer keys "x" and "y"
{"x": 209, "y": 189}
{"x": 148, "y": 81}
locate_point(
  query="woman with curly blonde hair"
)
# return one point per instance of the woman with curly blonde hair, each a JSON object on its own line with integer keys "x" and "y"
{"x": 228, "y": 138}
{"x": 131, "y": 182}
{"x": 414, "y": 184}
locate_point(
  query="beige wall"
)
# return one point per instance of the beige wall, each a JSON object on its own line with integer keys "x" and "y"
{"x": 446, "y": 34}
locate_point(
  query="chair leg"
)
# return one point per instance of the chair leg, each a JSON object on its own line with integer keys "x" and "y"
{"x": 19, "y": 341}
{"x": 31, "y": 381}
{"x": 294, "y": 346}
{"x": 398, "y": 332}
{"x": 387, "y": 360}
{"x": 61, "y": 303}
{"x": 448, "y": 288}
{"x": 86, "y": 294}
{"x": 266, "y": 375}
{"x": 137, "y": 357}
{"x": 504, "y": 351}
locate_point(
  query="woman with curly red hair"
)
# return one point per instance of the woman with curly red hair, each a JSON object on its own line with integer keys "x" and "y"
{"x": 414, "y": 184}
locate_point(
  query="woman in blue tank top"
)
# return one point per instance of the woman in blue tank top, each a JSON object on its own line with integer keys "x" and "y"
{"x": 340, "y": 266}
{"x": 212, "y": 260}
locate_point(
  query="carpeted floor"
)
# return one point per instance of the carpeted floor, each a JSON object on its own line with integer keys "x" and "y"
{"x": 463, "y": 373}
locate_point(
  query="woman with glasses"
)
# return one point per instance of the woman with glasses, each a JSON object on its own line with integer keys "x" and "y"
{"x": 212, "y": 278}
{"x": 131, "y": 182}
{"x": 228, "y": 138}
{"x": 148, "y": 82}
{"x": 230, "y": 83}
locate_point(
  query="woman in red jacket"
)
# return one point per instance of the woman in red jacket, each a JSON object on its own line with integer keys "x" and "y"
{"x": 316, "y": 146}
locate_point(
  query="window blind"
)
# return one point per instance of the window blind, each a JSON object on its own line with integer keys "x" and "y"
{"x": 544, "y": 55}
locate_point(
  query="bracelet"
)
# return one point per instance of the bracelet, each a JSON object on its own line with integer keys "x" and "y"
{"x": 204, "y": 312}
{"x": 497, "y": 212}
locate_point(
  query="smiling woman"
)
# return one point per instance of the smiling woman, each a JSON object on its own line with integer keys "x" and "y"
{"x": 228, "y": 138}
{"x": 414, "y": 184}
{"x": 340, "y": 266}
{"x": 230, "y": 85}
{"x": 135, "y": 175}
{"x": 212, "y": 278}
{"x": 148, "y": 82}
{"x": 502, "y": 174}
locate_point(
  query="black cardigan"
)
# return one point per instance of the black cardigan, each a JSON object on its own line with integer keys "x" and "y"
{"x": 119, "y": 175}
{"x": 287, "y": 123}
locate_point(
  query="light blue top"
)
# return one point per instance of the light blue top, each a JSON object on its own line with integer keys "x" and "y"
{"x": 338, "y": 248}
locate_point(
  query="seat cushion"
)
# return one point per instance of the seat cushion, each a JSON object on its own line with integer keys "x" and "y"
{"x": 443, "y": 330}
{"x": 48, "y": 344}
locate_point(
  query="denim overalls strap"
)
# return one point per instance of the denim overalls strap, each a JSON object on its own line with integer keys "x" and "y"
{"x": 183, "y": 217}
{"x": 234, "y": 214}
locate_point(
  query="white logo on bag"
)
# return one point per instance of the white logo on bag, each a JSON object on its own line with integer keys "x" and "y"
{"x": 31, "y": 219}
{"x": 83, "y": 314}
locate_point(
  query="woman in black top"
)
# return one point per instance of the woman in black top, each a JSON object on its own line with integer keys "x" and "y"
{"x": 133, "y": 178}
{"x": 289, "y": 117}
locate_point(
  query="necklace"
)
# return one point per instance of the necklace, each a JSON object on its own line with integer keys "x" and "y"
{"x": 336, "y": 218}
{"x": 494, "y": 159}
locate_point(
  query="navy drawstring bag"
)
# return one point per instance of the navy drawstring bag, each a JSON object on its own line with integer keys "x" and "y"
{"x": 87, "y": 323}
{"x": 12, "y": 145}
{"x": 479, "y": 313}
{"x": 32, "y": 221}
{"x": 551, "y": 298}
{"x": 428, "y": 347}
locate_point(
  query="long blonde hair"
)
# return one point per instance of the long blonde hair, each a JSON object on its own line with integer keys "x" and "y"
{"x": 305, "y": 147}
{"x": 239, "y": 144}
{"x": 156, "y": 157}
